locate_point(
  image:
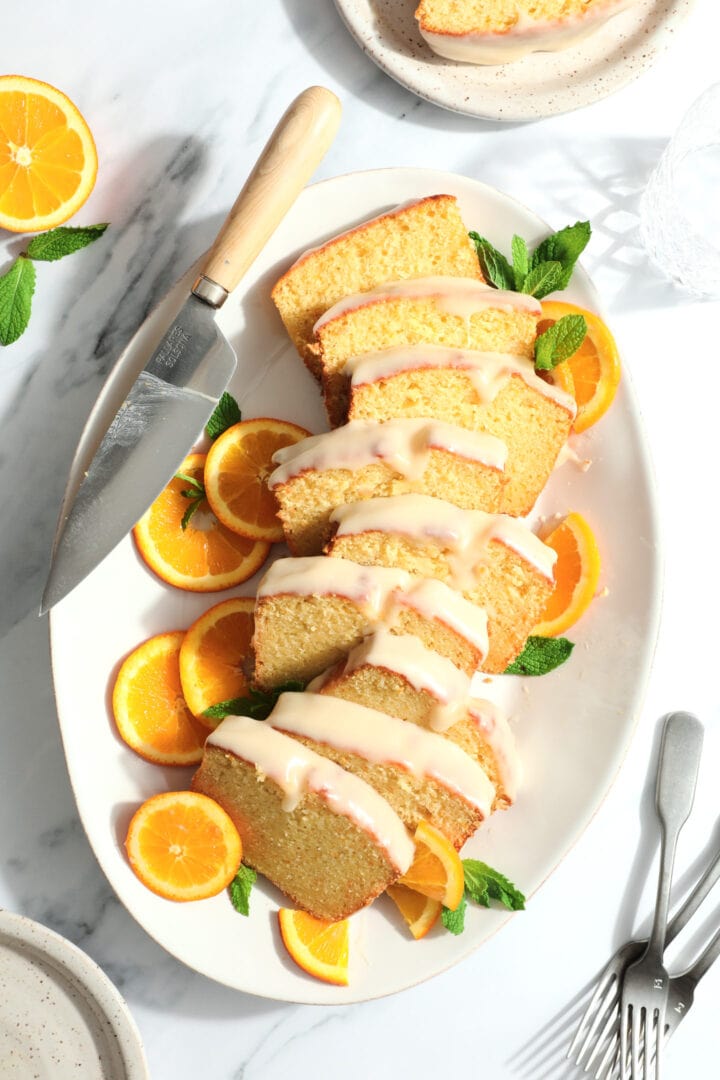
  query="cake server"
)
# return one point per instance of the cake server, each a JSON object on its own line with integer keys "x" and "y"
{"x": 150, "y": 411}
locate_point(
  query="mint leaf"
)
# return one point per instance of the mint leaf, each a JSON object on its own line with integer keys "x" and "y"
{"x": 16, "y": 292}
{"x": 559, "y": 341}
{"x": 495, "y": 267}
{"x": 241, "y": 887}
{"x": 521, "y": 261}
{"x": 564, "y": 247}
{"x": 541, "y": 655}
{"x": 543, "y": 279}
{"x": 483, "y": 884}
{"x": 55, "y": 244}
{"x": 227, "y": 412}
{"x": 195, "y": 493}
{"x": 454, "y": 921}
{"x": 258, "y": 703}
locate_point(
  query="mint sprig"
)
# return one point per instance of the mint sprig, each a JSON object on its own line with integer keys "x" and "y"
{"x": 65, "y": 240}
{"x": 16, "y": 292}
{"x": 482, "y": 884}
{"x": 559, "y": 342}
{"x": 195, "y": 493}
{"x": 540, "y": 655}
{"x": 548, "y": 269}
{"x": 226, "y": 414}
{"x": 257, "y": 703}
{"x": 17, "y": 285}
{"x": 240, "y": 888}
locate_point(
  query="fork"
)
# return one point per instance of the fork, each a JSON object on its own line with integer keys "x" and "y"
{"x": 681, "y": 993}
{"x": 598, "y": 1031}
{"x": 645, "y": 983}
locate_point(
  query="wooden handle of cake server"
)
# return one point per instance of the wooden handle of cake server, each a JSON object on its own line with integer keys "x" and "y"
{"x": 293, "y": 152}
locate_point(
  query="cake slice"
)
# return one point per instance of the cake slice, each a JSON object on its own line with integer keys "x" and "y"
{"x": 456, "y": 312}
{"x": 310, "y": 612}
{"x": 326, "y": 838}
{"x": 497, "y": 32}
{"x": 496, "y": 393}
{"x": 494, "y": 560}
{"x": 364, "y": 459}
{"x": 421, "y": 775}
{"x": 426, "y": 236}
{"x": 402, "y": 677}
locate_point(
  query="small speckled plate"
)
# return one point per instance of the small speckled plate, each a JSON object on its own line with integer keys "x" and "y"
{"x": 542, "y": 84}
{"x": 60, "y": 1016}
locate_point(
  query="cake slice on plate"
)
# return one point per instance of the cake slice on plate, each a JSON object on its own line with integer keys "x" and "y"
{"x": 364, "y": 459}
{"x": 456, "y": 312}
{"x": 326, "y": 838}
{"x": 494, "y": 560}
{"x": 310, "y": 612}
{"x": 426, "y": 236}
{"x": 400, "y": 676}
{"x": 496, "y": 393}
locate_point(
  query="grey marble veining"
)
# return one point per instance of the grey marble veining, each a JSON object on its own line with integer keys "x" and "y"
{"x": 181, "y": 98}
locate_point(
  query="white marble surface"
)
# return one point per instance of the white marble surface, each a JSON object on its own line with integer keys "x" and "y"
{"x": 180, "y": 98}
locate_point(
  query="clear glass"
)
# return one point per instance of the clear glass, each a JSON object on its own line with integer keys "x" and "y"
{"x": 680, "y": 208}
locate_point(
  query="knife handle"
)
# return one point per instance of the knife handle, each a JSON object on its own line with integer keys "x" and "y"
{"x": 293, "y": 152}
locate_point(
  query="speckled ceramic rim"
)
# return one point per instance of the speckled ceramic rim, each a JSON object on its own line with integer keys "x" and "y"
{"x": 542, "y": 84}
{"x": 84, "y": 975}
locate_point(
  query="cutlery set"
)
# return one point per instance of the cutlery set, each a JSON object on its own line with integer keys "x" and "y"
{"x": 636, "y": 1005}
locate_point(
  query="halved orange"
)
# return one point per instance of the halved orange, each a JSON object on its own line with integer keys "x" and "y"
{"x": 577, "y": 572}
{"x": 48, "y": 161}
{"x": 149, "y": 708}
{"x": 319, "y": 947}
{"x": 205, "y": 556}
{"x": 419, "y": 912}
{"x": 212, "y": 656}
{"x": 592, "y": 374}
{"x": 437, "y": 870}
{"x": 238, "y": 466}
{"x": 183, "y": 846}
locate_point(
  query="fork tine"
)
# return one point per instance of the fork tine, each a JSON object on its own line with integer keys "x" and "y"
{"x": 604, "y": 1037}
{"x": 624, "y": 1022}
{"x": 611, "y": 1056}
{"x": 636, "y": 1024}
{"x": 602, "y": 1005}
{"x": 658, "y": 1027}
{"x": 591, "y": 1010}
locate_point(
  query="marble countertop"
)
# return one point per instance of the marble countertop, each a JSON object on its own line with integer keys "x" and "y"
{"x": 180, "y": 99}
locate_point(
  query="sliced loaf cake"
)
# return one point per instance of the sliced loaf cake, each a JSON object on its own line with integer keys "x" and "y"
{"x": 495, "y": 393}
{"x": 494, "y": 560}
{"x": 325, "y": 837}
{"x": 363, "y": 460}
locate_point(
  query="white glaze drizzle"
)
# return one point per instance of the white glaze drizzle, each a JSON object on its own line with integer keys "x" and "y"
{"x": 383, "y": 739}
{"x": 404, "y": 445}
{"x": 526, "y": 36}
{"x": 488, "y": 372}
{"x": 465, "y": 533}
{"x": 406, "y": 655}
{"x": 297, "y": 770}
{"x": 496, "y": 731}
{"x": 380, "y": 591}
{"x": 456, "y": 296}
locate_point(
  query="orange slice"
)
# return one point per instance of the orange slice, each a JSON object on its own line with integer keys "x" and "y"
{"x": 319, "y": 947}
{"x": 204, "y": 557}
{"x": 183, "y": 846}
{"x": 419, "y": 912}
{"x": 592, "y": 374}
{"x": 577, "y": 572}
{"x": 212, "y": 655}
{"x": 437, "y": 870}
{"x": 149, "y": 708}
{"x": 48, "y": 161}
{"x": 236, "y": 473}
